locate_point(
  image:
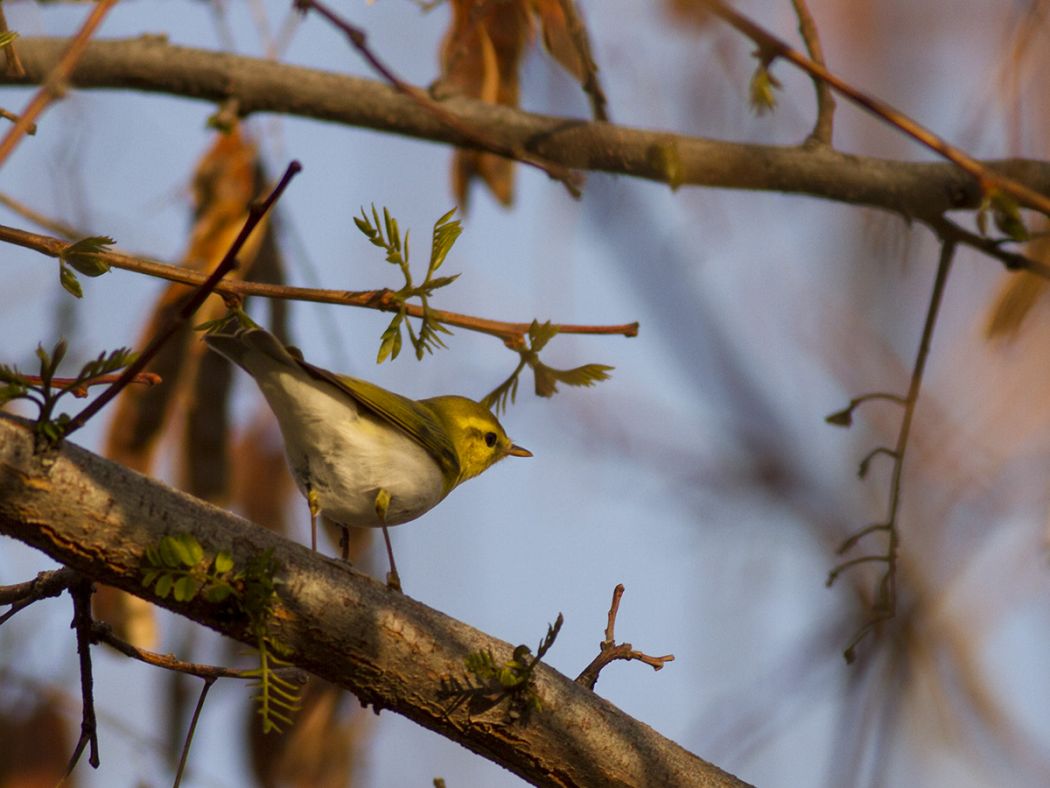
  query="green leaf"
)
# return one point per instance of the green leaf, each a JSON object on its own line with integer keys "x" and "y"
{"x": 223, "y": 562}
{"x": 6, "y": 37}
{"x": 540, "y": 334}
{"x": 390, "y": 342}
{"x": 193, "y": 547}
{"x": 168, "y": 549}
{"x": 164, "y": 585}
{"x": 763, "y": 85}
{"x": 83, "y": 255}
{"x": 186, "y": 588}
{"x": 69, "y": 281}
{"x": 446, "y": 233}
{"x": 149, "y": 577}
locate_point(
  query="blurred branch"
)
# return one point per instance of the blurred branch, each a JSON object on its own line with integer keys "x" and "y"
{"x": 807, "y": 28}
{"x": 475, "y": 133}
{"x": 772, "y": 47}
{"x": 885, "y": 605}
{"x": 383, "y": 300}
{"x": 98, "y": 518}
{"x": 913, "y": 189}
{"x": 53, "y": 85}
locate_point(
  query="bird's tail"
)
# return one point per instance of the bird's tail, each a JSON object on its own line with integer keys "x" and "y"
{"x": 241, "y": 345}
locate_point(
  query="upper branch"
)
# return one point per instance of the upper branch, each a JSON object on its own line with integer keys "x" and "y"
{"x": 914, "y": 189}
{"x": 99, "y": 517}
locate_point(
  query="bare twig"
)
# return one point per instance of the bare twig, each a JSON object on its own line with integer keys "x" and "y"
{"x": 591, "y": 85}
{"x": 383, "y": 300}
{"x": 54, "y": 226}
{"x": 610, "y": 651}
{"x": 184, "y": 756}
{"x": 885, "y": 604}
{"x": 54, "y": 85}
{"x": 948, "y": 230}
{"x": 807, "y": 28}
{"x": 255, "y": 214}
{"x": 44, "y": 585}
{"x": 573, "y": 181}
{"x": 102, "y": 633}
{"x": 772, "y": 47}
{"x": 81, "y": 591}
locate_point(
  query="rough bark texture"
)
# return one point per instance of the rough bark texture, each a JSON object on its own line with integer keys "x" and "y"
{"x": 391, "y": 651}
{"x": 914, "y": 189}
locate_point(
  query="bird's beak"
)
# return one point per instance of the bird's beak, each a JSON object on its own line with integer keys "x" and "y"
{"x": 517, "y": 451}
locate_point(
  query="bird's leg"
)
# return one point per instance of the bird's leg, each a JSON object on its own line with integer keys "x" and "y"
{"x": 344, "y": 542}
{"x": 315, "y": 508}
{"x": 393, "y": 579}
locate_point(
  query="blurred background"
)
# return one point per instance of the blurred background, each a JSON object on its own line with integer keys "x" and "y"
{"x": 701, "y": 475}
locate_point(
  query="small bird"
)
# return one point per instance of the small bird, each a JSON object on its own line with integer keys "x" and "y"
{"x": 362, "y": 455}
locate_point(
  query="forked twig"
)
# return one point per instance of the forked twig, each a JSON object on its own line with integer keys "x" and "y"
{"x": 610, "y": 650}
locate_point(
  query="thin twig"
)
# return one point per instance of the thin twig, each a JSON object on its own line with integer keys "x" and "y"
{"x": 81, "y": 591}
{"x": 44, "y": 585}
{"x": 591, "y": 86}
{"x": 885, "y": 605}
{"x": 807, "y": 28}
{"x": 193, "y": 727}
{"x": 51, "y": 225}
{"x": 103, "y": 633}
{"x": 357, "y": 38}
{"x": 54, "y": 84}
{"x": 610, "y": 650}
{"x": 772, "y": 47}
{"x": 383, "y": 300}
{"x": 255, "y": 214}
{"x": 948, "y": 230}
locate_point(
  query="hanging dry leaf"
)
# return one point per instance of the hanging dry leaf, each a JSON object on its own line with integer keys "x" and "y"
{"x": 1018, "y": 295}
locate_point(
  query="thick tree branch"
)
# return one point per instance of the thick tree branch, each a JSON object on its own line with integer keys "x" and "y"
{"x": 914, "y": 189}
{"x": 98, "y": 517}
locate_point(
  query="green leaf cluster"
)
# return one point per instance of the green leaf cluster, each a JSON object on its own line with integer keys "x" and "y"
{"x": 545, "y": 378}
{"x": 82, "y": 256}
{"x": 386, "y": 234}
{"x": 178, "y": 566}
{"x": 490, "y": 681}
{"x": 42, "y": 391}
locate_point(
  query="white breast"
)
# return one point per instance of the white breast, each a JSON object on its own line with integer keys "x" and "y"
{"x": 347, "y": 455}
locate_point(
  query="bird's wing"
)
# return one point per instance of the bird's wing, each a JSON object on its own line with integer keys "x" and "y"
{"x": 411, "y": 417}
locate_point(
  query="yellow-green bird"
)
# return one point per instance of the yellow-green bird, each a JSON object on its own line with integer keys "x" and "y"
{"x": 362, "y": 455}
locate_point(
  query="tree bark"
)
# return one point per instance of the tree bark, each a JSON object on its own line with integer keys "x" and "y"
{"x": 392, "y": 652}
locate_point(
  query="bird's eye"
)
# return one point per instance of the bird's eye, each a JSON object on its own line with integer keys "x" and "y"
{"x": 490, "y": 439}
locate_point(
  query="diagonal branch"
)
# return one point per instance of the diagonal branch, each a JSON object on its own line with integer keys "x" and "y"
{"x": 99, "y": 517}
{"x": 53, "y": 84}
{"x": 807, "y": 27}
{"x": 773, "y": 47}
